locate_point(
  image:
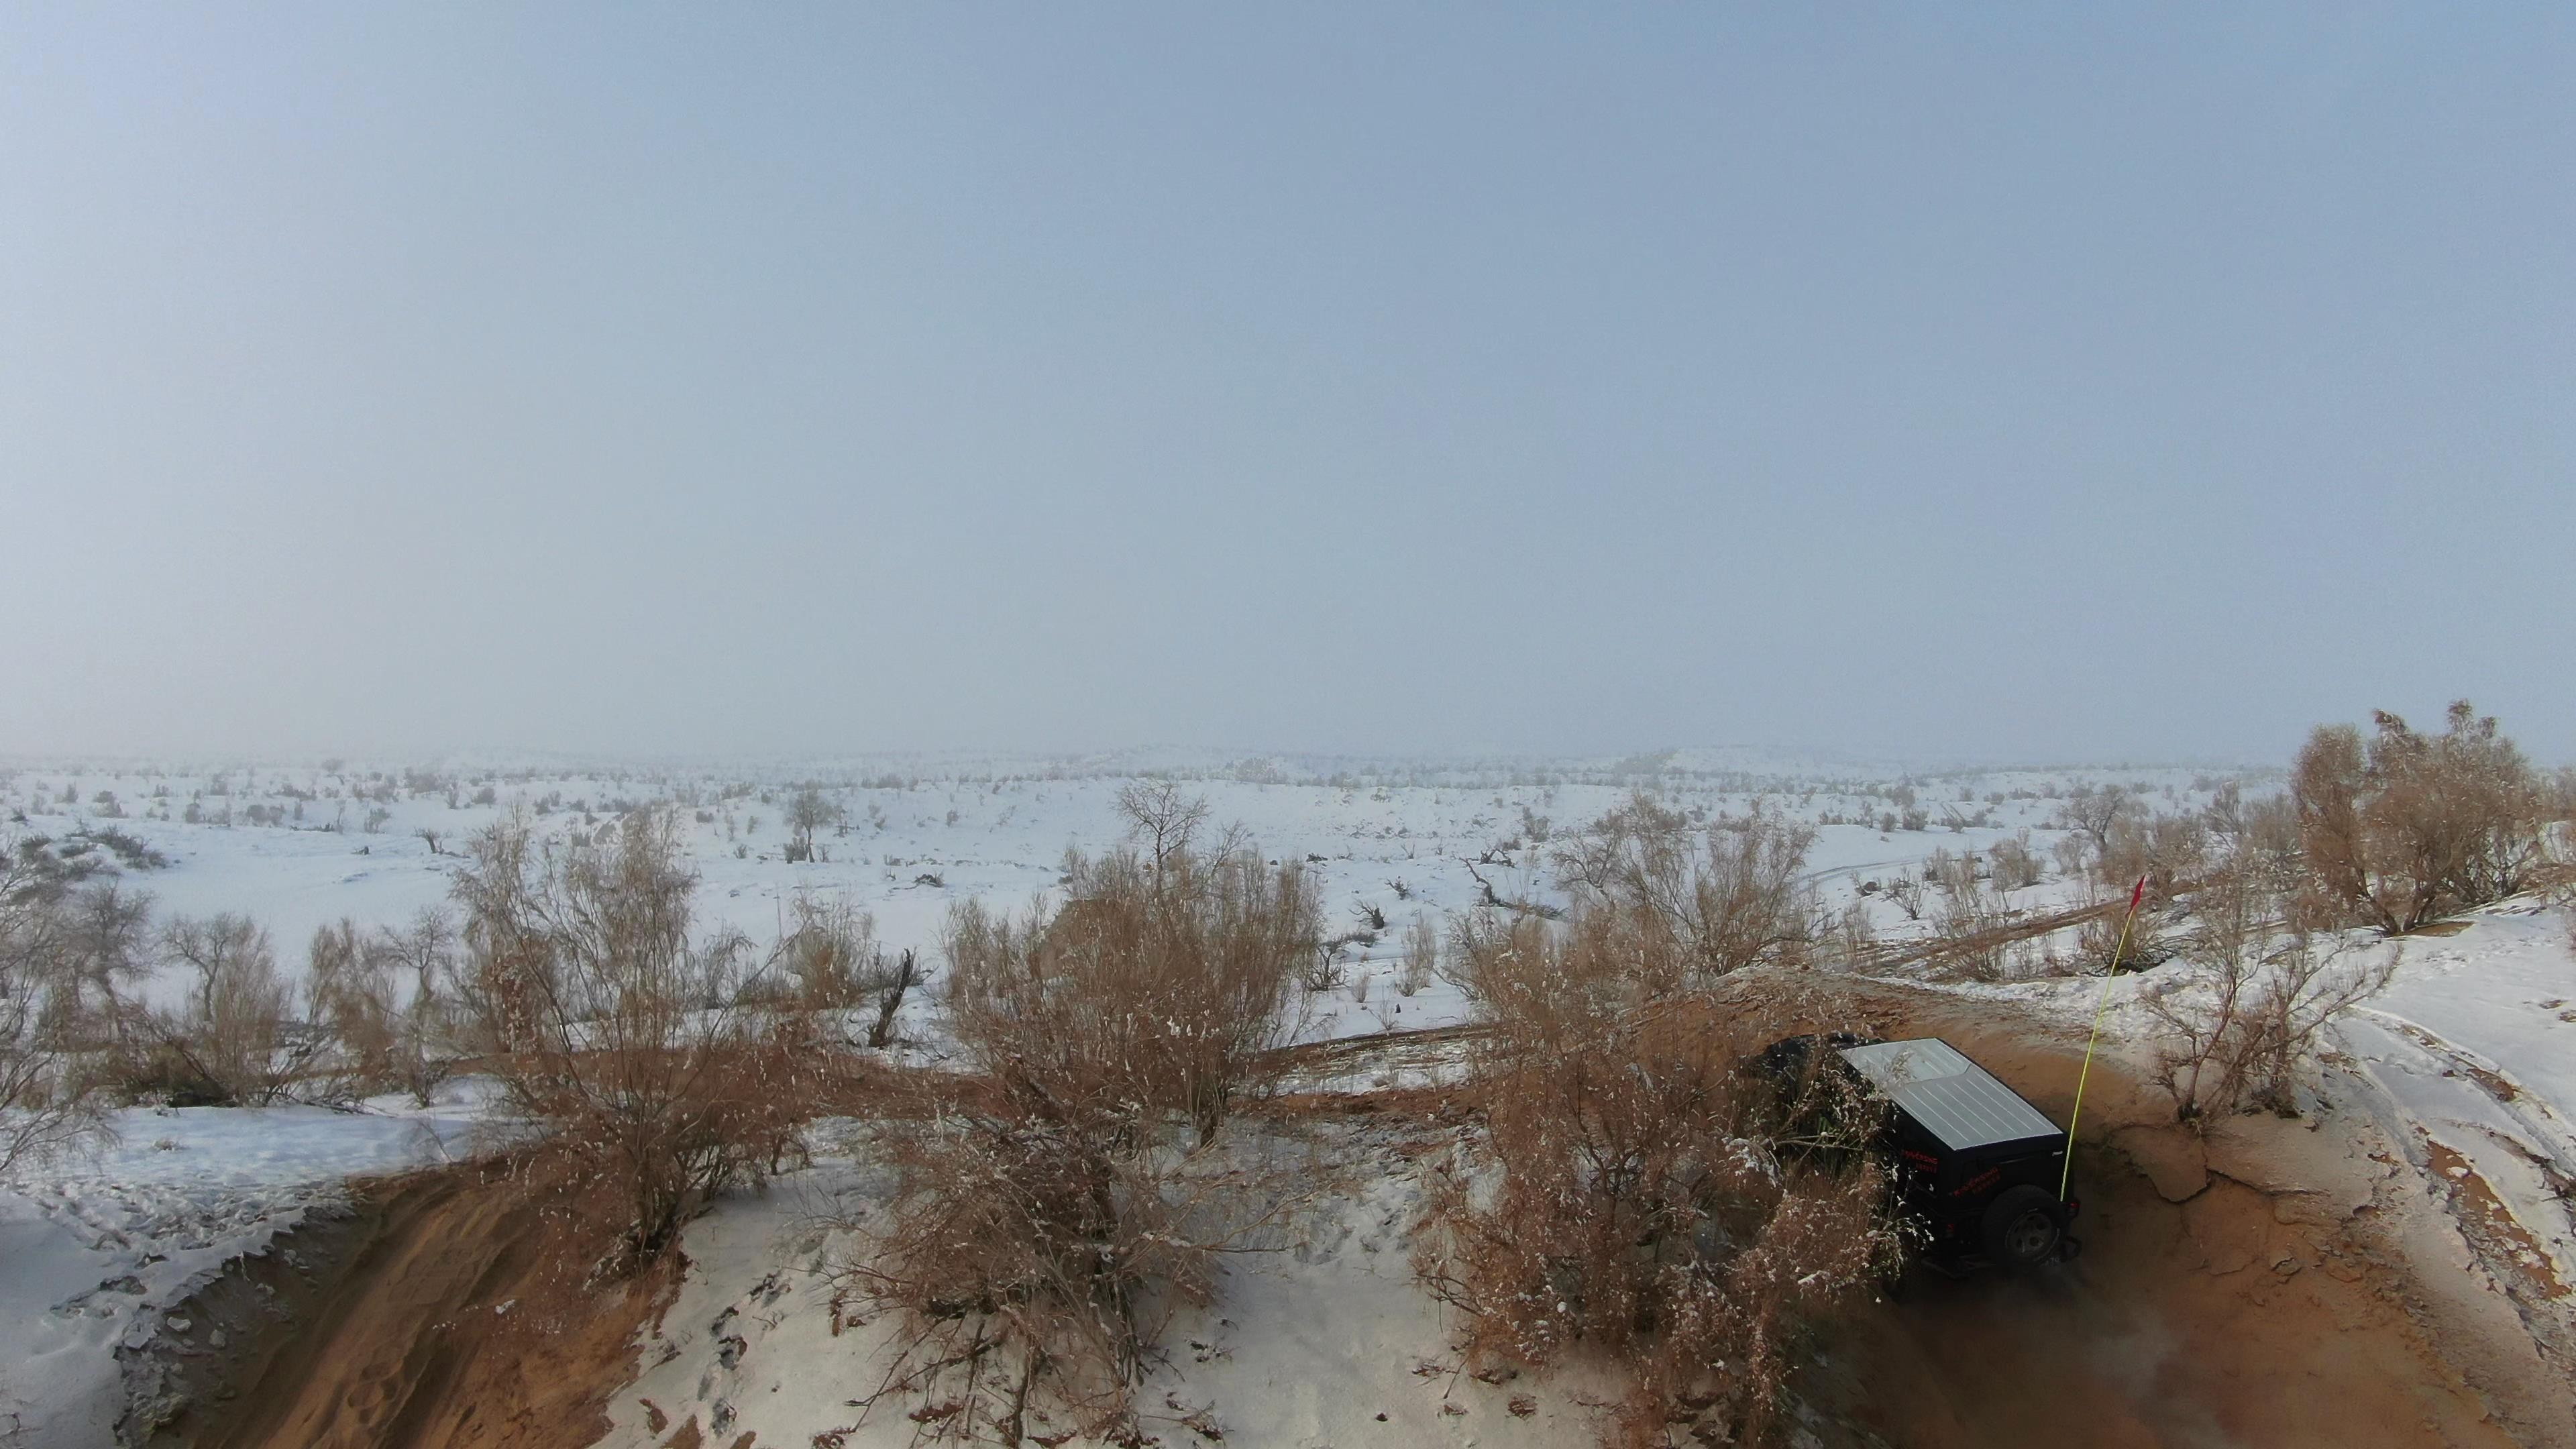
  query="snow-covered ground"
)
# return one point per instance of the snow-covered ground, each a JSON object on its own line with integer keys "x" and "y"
{"x": 93, "y": 1252}
{"x": 1324, "y": 1337}
{"x": 298, "y": 846}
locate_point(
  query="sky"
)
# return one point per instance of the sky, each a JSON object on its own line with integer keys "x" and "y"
{"x": 2026, "y": 383}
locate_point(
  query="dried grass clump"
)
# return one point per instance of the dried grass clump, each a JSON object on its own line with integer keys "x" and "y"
{"x": 1055, "y": 1208}
{"x": 1641, "y": 1196}
{"x": 621, "y": 1035}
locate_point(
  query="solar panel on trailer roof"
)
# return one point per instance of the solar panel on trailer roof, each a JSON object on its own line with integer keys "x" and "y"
{"x": 1955, "y": 1099}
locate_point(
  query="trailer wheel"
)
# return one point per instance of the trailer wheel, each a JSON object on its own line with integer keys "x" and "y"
{"x": 2021, "y": 1228}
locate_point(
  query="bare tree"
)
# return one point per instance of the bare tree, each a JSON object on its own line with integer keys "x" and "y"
{"x": 215, "y": 947}
{"x": 829, "y": 953}
{"x": 231, "y": 1045}
{"x": 2093, "y": 810}
{"x": 808, "y": 811}
{"x": 1163, "y": 817}
{"x": 42, "y": 1111}
{"x": 106, "y": 950}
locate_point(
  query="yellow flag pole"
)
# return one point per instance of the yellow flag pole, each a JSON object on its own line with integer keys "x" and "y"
{"x": 2119, "y": 951}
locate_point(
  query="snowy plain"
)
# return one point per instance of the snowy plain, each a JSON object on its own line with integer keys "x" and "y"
{"x": 96, "y": 1250}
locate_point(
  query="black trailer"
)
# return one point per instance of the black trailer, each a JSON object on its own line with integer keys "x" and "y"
{"x": 1974, "y": 1167}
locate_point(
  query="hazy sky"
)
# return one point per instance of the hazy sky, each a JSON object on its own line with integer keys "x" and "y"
{"x": 2041, "y": 382}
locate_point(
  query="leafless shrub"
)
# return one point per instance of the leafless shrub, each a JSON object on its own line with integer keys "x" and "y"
{"x": 383, "y": 997}
{"x": 1421, "y": 956}
{"x": 1050, "y": 1214}
{"x": 1730, "y": 897}
{"x": 1487, "y": 949}
{"x": 607, "y": 1023}
{"x": 2113, "y": 941}
{"x": 1169, "y": 982}
{"x": 2408, "y": 827}
{"x": 2169, "y": 850}
{"x": 828, "y": 956}
{"x": 1907, "y": 893}
{"x": 1968, "y": 925}
{"x": 2233, "y": 1028}
{"x": 1163, "y": 817}
{"x": 352, "y": 986}
{"x": 1852, "y": 943}
{"x": 1636, "y": 1195}
{"x": 2015, "y": 865}
{"x": 1325, "y": 969}
{"x": 2074, "y": 856}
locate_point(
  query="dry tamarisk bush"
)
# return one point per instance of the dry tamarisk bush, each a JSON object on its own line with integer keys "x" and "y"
{"x": 1971, "y": 929}
{"x": 622, "y": 1037}
{"x": 1727, "y": 897}
{"x": 1642, "y": 1198}
{"x": 829, "y": 958}
{"x": 2405, "y": 828}
{"x": 1055, "y": 1206}
{"x": 1168, "y": 985}
{"x": 2233, "y": 1025}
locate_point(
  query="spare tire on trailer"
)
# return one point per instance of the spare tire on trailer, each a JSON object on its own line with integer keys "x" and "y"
{"x": 2023, "y": 1228}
